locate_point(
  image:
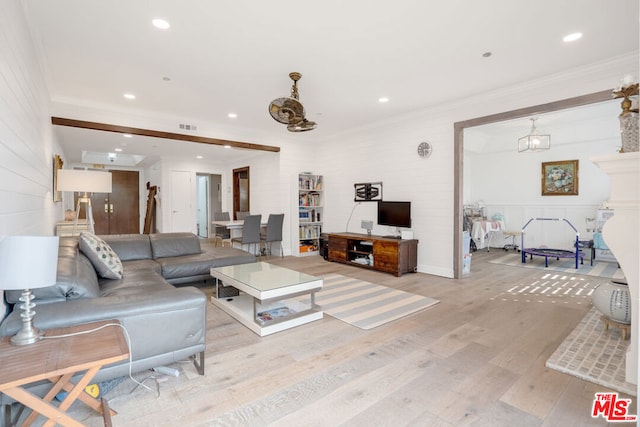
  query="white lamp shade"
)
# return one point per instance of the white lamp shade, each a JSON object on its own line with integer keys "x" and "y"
{"x": 28, "y": 262}
{"x": 84, "y": 181}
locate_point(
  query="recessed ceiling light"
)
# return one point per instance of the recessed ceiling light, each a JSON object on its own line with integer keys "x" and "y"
{"x": 166, "y": 79}
{"x": 117, "y": 149}
{"x": 127, "y": 135}
{"x": 232, "y": 115}
{"x": 383, "y": 99}
{"x": 572, "y": 37}
{"x": 129, "y": 96}
{"x": 227, "y": 146}
{"x": 199, "y": 157}
{"x": 486, "y": 54}
{"x": 160, "y": 23}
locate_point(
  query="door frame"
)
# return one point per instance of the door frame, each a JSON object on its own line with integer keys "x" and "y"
{"x": 458, "y": 148}
{"x": 236, "y": 189}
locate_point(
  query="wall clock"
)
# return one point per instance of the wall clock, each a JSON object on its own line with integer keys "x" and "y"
{"x": 425, "y": 149}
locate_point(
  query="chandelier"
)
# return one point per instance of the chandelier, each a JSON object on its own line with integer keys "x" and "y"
{"x": 534, "y": 141}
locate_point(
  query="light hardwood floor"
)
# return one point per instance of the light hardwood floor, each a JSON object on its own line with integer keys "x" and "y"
{"x": 471, "y": 360}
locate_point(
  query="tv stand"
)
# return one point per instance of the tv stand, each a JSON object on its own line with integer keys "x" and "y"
{"x": 390, "y": 254}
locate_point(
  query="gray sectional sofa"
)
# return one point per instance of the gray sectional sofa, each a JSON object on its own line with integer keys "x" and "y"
{"x": 166, "y": 323}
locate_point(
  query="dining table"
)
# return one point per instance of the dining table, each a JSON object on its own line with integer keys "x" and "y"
{"x": 234, "y": 226}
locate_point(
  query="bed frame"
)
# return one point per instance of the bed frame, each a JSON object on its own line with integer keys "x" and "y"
{"x": 548, "y": 252}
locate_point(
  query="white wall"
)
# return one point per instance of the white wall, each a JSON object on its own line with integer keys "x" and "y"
{"x": 27, "y": 144}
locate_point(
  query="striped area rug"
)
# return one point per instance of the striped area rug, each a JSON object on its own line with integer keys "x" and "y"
{"x": 599, "y": 268}
{"x": 367, "y": 305}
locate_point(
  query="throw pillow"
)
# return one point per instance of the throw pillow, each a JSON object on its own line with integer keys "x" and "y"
{"x": 104, "y": 259}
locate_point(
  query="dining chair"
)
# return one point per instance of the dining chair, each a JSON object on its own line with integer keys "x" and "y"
{"x": 273, "y": 232}
{"x": 240, "y": 215}
{"x": 221, "y": 233}
{"x": 250, "y": 232}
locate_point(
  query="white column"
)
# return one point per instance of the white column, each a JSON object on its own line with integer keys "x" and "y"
{"x": 622, "y": 234}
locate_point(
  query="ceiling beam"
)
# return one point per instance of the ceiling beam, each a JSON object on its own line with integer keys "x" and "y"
{"x": 60, "y": 121}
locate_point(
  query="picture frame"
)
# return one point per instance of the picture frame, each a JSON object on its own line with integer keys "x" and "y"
{"x": 560, "y": 178}
{"x": 57, "y": 165}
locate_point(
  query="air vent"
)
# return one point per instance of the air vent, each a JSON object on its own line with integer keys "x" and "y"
{"x": 187, "y": 127}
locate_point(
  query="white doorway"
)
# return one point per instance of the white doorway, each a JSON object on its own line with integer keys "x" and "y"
{"x": 202, "y": 205}
{"x": 208, "y": 201}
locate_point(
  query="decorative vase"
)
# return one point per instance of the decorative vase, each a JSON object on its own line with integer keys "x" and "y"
{"x": 629, "y": 132}
{"x": 613, "y": 300}
{"x": 629, "y": 116}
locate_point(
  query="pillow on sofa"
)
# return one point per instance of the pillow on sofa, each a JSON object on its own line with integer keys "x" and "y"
{"x": 76, "y": 278}
{"x": 104, "y": 259}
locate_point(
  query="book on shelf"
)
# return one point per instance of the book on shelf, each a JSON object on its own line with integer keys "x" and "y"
{"x": 310, "y": 182}
{"x": 274, "y": 313}
{"x": 309, "y": 199}
{"x": 310, "y": 231}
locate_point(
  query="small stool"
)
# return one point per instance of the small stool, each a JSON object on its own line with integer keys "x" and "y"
{"x": 624, "y": 328}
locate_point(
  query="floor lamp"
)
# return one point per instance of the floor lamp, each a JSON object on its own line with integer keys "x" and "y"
{"x": 84, "y": 181}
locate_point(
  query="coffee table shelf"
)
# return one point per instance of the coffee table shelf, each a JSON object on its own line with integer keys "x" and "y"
{"x": 263, "y": 287}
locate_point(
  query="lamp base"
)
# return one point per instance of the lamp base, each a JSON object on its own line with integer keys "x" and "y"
{"x": 28, "y": 334}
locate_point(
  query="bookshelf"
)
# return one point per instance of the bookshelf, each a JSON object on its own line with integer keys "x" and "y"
{"x": 310, "y": 213}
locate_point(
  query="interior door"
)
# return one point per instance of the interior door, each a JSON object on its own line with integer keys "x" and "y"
{"x": 119, "y": 211}
{"x": 182, "y": 210}
{"x": 124, "y": 203}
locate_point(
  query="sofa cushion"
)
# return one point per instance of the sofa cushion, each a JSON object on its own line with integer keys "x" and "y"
{"x": 76, "y": 278}
{"x": 104, "y": 259}
{"x": 185, "y": 266}
{"x": 141, "y": 264}
{"x": 166, "y": 245}
{"x": 134, "y": 282}
{"x": 129, "y": 246}
{"x": 224, "y": 256}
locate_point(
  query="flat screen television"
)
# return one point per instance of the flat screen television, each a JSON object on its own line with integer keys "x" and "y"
{"x": 394, "y": 214}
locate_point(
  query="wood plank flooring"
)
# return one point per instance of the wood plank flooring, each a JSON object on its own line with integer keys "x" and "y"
{"x": 469, "y": 360}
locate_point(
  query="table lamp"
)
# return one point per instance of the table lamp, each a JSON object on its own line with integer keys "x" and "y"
{"x": 84, "y": 181}
{"x": 27, "y": 262}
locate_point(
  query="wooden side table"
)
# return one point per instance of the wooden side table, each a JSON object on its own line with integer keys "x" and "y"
{"x": 58, "y": 360}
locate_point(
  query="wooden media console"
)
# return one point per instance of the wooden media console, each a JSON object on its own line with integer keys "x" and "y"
{"x": 380, "y": 253}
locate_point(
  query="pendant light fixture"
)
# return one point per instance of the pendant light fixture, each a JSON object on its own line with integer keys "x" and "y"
{"x": 534, "y": 141}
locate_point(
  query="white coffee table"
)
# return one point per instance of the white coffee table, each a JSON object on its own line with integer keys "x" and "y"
{"x": 269, "y": 299}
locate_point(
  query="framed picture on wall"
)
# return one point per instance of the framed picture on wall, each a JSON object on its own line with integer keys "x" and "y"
{"x": 560, "y": 178}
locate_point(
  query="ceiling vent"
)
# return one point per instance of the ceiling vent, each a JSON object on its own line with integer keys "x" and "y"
{"x": 185, "y": 126}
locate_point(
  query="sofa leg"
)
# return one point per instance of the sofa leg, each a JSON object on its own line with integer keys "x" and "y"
{"x": 5, "y": 414}
{"x": 198, "y": 364}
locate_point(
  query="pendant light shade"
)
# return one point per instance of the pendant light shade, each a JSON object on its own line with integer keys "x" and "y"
{"x": 534, "y": 141}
